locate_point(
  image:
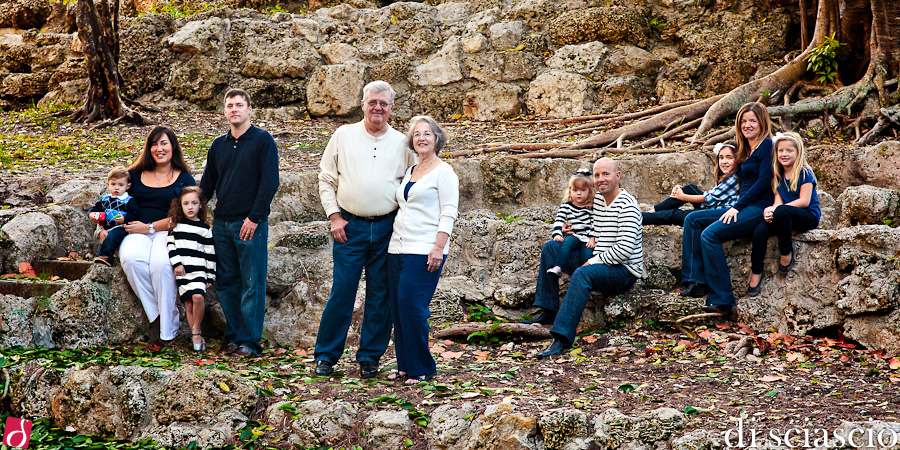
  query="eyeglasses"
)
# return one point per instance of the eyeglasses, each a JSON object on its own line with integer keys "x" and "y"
{"x": 374, "y": 103}
{"x": 582, "y": 172}
{"x": 426, "y": 134}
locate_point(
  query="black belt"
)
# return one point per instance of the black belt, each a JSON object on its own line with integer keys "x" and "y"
{"x": 350, "y": 215}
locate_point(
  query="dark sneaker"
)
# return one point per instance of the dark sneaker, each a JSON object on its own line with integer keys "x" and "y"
{"x": 324, "y": 368}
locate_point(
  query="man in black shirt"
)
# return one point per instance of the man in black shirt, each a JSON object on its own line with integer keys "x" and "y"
{"x": 242, "y": 169}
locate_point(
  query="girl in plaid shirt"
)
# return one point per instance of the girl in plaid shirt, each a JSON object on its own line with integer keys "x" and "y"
{"x": 724, "y": 195}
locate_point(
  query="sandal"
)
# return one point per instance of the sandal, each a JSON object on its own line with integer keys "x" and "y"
{"x": 396, "y": 376}
{"x": 198, "y": 347}
{"x": 412, "y": 381}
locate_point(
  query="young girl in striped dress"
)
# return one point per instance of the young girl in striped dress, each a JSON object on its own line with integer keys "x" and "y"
{"x": 192, "y": 255}
{"x": 574, "y": 213}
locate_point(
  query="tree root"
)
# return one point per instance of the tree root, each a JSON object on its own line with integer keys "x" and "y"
{"x": 887, "y": 117}
{"x": 662, "y": 120}
{"x": 687, "y": 333}
{"x": 666, "y": 135}
{"x": 589, "y": 127}
{"x": 520, "y": 147}
{"x": 521, "y": 329}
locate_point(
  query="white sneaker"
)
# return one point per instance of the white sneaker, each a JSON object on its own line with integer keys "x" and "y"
{"x": 555, "y": 271}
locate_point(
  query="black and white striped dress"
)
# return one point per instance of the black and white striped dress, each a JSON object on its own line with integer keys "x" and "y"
{"x": 191, "y": 245}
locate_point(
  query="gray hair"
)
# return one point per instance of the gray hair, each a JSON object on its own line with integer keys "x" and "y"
{"x": 440, "y": 138}
{"x": 376, "y": 87}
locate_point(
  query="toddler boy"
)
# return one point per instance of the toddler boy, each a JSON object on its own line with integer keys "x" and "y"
{"x": 113, "y": 210}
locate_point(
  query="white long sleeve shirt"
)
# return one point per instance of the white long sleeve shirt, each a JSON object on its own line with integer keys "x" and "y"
{"x": 360, "y": 172}
{"x": 432, "y": 206}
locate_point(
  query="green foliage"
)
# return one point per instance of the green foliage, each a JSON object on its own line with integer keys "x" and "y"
{"x": 658, "y": 24}
{"x": 480, "y": 313}
{"x": 893, "y": 223}
{"x": 277, "y": 9}
{"x": 823, "y": 60}
{"x": 420, "y": 417}
{"x": 184, "y": 11}
{"x": 485, "y": 336}
{"x": 509, "y": 219}
{"x": 45, "y": 435}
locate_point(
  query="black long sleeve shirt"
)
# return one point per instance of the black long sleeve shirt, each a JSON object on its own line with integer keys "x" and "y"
{"x": 243, "y": 172}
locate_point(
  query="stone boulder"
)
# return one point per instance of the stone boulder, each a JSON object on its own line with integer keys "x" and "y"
{"x": 482, "y": 21}
{"x": 317, "y": 423}
{"x": 611, "y": 25}
{"x": 560, "y": 94}
{"x": 23, "y": 86}
{"x": 680, "y": 79}
{"x": 449, "y": 426}
{"x": 442, "y": 68}
{"x": 298, "y": 196}
{"x": 307, "y": 28}
{"x": 77, "y": 315}
{"x": 218, "y": 396}
{"x": 102, "y": 401}
{"x": 565, "y": 429}
{"x": 24, "y": 14}
{"x": 506, "y": 35}
{"x": 199, "y": 80}
{"x": 879, "y": 165}
{"x": 586, "y": 59}
{"x": 613, "y": 429}
{"x": 335, "y": 89}
{"x": 145, "y": 61}
{"x": 387, "y": 429}
{"x": 291, "y": 57}
{"x": 487, "y": 67}
{"x": 125, "y": 317}
{"x": 25, "y": 238}
{"x": 293, "y": 319}
{"x": 78, "y": 193}
{"x": 538, "y": 14}
{"x": 16, "y": 316}
{"x": 200, "y": 36}
{"x": 752, "y": 39}
{"x": 502, "y": 427}
{"x": 869, "y": 205}
{"x": 338, "y": 53}
{"x": 493, "y": 102}
{"x": 74, "y": 230}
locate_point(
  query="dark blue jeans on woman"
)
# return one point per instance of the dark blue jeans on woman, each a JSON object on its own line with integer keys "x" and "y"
{"x": 691, "y": 255}
{"x": 785, "y": 219}
{"x": 547, "y": 293}
{"x": 241, "y": 269}
{"x": 715, "y": 266}
{"x": 410, "y": 289}
{"x": 366, "y": 247}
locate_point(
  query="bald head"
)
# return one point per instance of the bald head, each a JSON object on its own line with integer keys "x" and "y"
{"x": 606, "y": 178}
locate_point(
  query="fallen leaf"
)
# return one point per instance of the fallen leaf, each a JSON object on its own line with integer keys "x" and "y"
{"x": 451, "y": 355}
{"x": 771, "y": 378}
{"x": 894, "y": 364}
{"x": 589, "y": 339}
{"x": 481, "y": 354}
{"x": 705, "y": 334}
{"x": 224, "y": 386}
{"x": 437, "y": 349}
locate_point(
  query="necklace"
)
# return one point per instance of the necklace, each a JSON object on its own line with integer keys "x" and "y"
{"x": 428, "y": 164}
{"x": 166, "y": 179}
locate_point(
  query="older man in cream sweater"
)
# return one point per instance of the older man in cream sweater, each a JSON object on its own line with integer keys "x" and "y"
{"x": 361, "y": 168}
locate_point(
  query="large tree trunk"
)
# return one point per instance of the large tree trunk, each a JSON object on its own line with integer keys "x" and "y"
{"x": 98, "y": 30}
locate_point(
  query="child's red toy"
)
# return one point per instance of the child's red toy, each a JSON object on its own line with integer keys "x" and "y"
{"x": 98, "y": 216}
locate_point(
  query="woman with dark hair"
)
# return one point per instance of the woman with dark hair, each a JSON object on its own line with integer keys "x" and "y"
{"x": 428, "y": 198}
{"x": 704, "y": 266}
{"x": 157, "y": 177}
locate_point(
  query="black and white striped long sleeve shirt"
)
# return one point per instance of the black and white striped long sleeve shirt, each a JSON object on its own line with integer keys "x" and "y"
{"x": 617, "y": 230}
{"x": 578, "y": 216}
{"x": 190, "y": 244}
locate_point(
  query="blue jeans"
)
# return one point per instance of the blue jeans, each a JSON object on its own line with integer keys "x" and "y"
{"x": 547, "y": 292}
{"x": 410, "y": 289}
{"x": 691, "y": 256}
{"x": 241, "y": 270}
{"x": 366, "y": 247}
{"x": 607, "y": 280}
{"x": 570, "y": 244}
{"x": 715, "y": 266}
{"x": 114, "y": 237}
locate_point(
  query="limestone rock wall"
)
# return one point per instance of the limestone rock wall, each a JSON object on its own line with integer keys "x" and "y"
{"x": 542, "y": 57}
{"x": 846, "y": 275}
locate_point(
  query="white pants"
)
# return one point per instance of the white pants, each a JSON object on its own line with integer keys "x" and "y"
{"x": 145, "y": 260}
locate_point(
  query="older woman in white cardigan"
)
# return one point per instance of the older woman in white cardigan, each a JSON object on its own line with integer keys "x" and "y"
{"x": 428, "y": 198}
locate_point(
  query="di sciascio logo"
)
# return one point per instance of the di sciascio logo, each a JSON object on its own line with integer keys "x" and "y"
{"x": 17, "y": 432}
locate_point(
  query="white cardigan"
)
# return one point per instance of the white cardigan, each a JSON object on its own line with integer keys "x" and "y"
{"x": 431, "y": 207}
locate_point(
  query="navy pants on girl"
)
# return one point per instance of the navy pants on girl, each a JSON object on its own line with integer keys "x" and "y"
{"x": 410, "y": 288}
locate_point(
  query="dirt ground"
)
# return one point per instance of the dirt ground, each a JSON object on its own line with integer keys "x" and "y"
{"x": 794, "y": 381}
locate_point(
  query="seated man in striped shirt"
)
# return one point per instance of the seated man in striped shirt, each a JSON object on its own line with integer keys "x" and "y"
{"x": 617, "y": 261}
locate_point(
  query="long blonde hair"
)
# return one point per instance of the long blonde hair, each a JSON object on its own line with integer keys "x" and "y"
{"x": 778, "y": 170}
{"x": 579, "y": 180}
